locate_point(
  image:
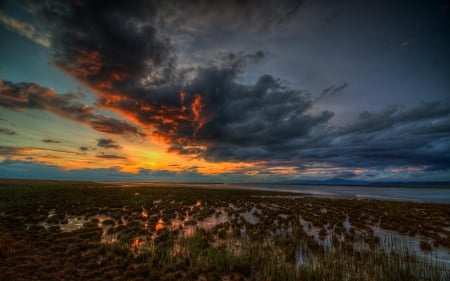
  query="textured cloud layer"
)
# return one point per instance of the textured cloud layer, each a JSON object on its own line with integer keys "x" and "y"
{"x": 24, "y": 29}
{"x": 125, "y": 52}
{"x": 21, "y": 96}
{"x": 116, "y": 50}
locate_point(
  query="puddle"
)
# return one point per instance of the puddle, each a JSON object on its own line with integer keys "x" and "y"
{"x": 159, "y": 225}
{"x": 190, "y": 225}
{"x": 393, "y": 241}
{"x": 249, "y": 217}
{"x": 51, "y": 213}
{"x": 346, "y": 224}
{"x": 144, "y": 213}
{"x": 137, "y": 243}
{"x": 323, "y": 240}
{"x": 73, "y": 223}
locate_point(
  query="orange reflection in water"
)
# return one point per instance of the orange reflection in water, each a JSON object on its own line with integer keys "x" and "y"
{"x": 136, "y": 243}
{"x": 189, "y": 230}
{"x": 159, "y": 225}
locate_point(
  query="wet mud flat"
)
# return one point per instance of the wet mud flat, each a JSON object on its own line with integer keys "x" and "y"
{"x": 52, "y": 230}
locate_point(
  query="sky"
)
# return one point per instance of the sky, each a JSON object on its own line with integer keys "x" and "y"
{"x": 225, "y": 91}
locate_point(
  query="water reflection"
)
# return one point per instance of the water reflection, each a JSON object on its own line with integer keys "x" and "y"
{"x": 189, "y": 224}
{"x": 137, "y": 243}
{"x": 160, "y": 224}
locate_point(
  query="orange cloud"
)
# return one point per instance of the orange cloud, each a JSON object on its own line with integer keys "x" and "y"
{"x": 85, "y": 64}
{"x": 197, "y": 107}
{"x": 21, "y": 96}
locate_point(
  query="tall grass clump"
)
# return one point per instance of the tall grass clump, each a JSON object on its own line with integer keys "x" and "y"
{"x": 272, "y": 259}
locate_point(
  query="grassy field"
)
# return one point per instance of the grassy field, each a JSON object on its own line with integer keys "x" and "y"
{"x": 52, "y": 230}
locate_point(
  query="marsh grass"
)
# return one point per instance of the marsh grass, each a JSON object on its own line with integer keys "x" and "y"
{"x": 271, "y": 259}
{"x": 232, "y": 250}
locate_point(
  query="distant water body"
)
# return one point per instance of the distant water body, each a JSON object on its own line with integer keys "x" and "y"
{"x": 418, "y": 194}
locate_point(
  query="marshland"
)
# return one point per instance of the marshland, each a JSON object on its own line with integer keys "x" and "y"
{"x": 60, "y": 230}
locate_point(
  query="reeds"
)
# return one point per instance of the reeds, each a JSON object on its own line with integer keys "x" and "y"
{"x": 273, "y": 259}
{"x": 276, "y": 248}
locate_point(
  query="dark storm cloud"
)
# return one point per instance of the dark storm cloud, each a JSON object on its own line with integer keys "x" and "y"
{"x": 114, "y": 126}
{"x": 50, "y": 141}
{"x": 83, "y": 148}
{"x": 118, "y": 49}
{"x": 7, "y": 132}
{"x": 253, "y": 14}
{"x": 395, "y": 115}
{"x": 108, "y": 143}
{"x": 114, "y": 48}
{"x": 21, "y": 96}
{"x": 111, "y": 45}
{"x": 217, "y": 112}
{"x": 418, "y": 135}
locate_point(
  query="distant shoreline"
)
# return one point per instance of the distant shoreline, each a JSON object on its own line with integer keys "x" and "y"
{"x": 443, "y": 185}
{"x": 428, "y": 194}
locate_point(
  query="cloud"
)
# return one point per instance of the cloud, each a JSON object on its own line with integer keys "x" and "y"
{"x": 23, "y": 150}
{"x": 114, "y": 126}
{"x": 121, "y": 50}
{"x": 24, "y": 29}
{"x": 50, "y": 141}
{"x": 21, "y": 96}
{"x": 7, "y": 132}
{"x": 221, "y": 15}
{"x": 345, "y": 175}
{"x": 41, "y": 155}
{"x": 110, "y": 156}
{"x": 118, "y": 51}
{"x": 83, "y": 148}
{"x": 8, "y": 150}
{"x": 216, "y": 114}
{"x": 331, "y": 92}
{"x": 397, "y": 136}
{"x": 29, "y": 169}
{"x": 396, "y": 115}
{"x": 393, "y": 137}
{"x": 112, "y": 46}
{"x": 108, "y": 143}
